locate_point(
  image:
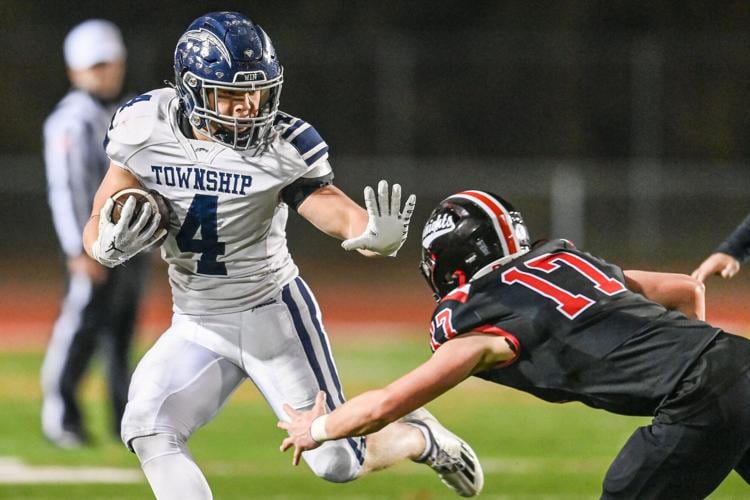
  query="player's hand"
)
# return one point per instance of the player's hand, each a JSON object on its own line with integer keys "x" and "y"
{"x": 119, "y": 242}
{"x": 386, "y": 227}
{"x": 717, "y": 263}
{"x": 299, "y": 427}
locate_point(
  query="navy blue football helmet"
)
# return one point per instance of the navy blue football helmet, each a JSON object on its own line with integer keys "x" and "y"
{"x": 466, "y": 233}
{"x": 226, "y": 51}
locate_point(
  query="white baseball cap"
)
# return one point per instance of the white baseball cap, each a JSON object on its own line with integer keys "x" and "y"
{"x": 92, "y": 42}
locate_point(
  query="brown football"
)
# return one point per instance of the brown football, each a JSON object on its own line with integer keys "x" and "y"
{"x": 142, "y": 196}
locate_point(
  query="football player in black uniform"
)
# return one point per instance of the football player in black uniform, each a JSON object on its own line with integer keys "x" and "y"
{"x": 728, "y": 256}
{"x": 564, "y": 325}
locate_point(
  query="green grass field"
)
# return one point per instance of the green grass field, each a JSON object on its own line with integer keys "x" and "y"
{"x": 530, "y": 449}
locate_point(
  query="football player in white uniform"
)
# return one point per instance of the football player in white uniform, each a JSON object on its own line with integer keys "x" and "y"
{"x": 230, "y": 165}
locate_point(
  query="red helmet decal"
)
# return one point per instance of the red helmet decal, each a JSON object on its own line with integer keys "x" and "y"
{"x": 498, "y": 215}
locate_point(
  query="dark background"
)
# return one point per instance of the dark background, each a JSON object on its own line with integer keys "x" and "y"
{"x": 624, "y": 123}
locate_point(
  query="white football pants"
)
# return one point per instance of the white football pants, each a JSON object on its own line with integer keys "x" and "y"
{"x": 190, "y": 372}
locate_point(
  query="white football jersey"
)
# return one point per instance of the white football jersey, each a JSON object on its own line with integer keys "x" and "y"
{"x": 226, "y": 247}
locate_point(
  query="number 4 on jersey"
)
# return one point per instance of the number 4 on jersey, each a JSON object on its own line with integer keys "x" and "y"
{"x": 202, "y": 214}
{"x": 568, "y": 303}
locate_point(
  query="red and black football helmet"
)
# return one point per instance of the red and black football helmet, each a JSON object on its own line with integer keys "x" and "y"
{"x": 467, "y": 232}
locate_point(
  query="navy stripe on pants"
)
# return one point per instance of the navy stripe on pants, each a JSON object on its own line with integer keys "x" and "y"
{"x": 307, "y": 344}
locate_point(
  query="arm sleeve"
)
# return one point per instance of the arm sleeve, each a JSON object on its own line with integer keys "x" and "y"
{"x": 737, "y": 244}
{"x": 67, "y": 193}
{"x": 296, "y": 192}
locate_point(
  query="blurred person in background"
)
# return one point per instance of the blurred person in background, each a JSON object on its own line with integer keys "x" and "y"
{"x": 728, "y": 257}
{"x": 100, "y": 304}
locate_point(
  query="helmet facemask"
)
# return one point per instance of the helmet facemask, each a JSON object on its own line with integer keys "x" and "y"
{"x": 236, "y": 132}
{"x": 427, "y": 268}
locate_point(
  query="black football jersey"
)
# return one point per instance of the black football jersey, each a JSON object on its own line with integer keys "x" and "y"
{"x": 578, "y": 333}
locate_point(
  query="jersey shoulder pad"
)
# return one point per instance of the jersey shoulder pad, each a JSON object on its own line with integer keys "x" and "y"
{"x": 303, "y": 137}
{"x": 610, "y": 269}
{"x": 553, "y": 245}
{"x": 135, "y": 123}
{"x": 468, "y": 308}
{"x": 450, "y": 316}
{"x": 565, "y": 246}
{"x": 460, "y": 294}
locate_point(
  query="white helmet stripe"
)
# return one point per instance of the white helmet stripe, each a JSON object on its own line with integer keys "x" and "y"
{"x": 498, "y": 215}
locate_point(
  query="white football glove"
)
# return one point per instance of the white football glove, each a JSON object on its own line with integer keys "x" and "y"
{"x": 387, "y": 227}
{"x": 119, "y": 242}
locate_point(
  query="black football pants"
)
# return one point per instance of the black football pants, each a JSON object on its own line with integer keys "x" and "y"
{"x": 688, "y": 459}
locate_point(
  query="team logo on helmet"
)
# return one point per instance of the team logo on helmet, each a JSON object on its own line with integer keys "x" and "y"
{"x": 436, "y": 227}
{"x": 199, "y": 43}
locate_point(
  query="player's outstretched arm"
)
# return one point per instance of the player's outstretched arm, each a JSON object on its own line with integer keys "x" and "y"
{"x": 109, "y": 243}
{"x": 333, "y": 212}
{"x": 369, "y": 412}
{"x": 674, "y": 291}
{"x": 717, "y": 263}
{"x": 379, "y": 230}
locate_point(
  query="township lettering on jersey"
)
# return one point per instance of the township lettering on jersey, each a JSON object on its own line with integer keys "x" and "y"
{"x": 579, "y": 334}
{"x": 226, "y": 247}
{"x": 201, "y": 179}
